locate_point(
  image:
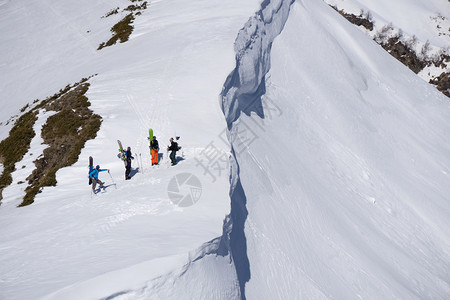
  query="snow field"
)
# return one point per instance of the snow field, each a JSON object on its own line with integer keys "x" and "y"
{"x": 357, "y": 196}
{"x": 338, "y": 177}
{"x": 167, "y": 77}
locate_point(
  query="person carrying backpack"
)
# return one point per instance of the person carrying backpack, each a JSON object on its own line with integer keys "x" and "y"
{"x": 174, "y": 148}
{"x": 154, "y": 147}
{"x": 128, "y": 158}
{"x": 94, "y": 177}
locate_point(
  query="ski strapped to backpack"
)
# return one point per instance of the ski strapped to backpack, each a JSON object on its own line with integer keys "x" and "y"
{"x": 91, "y": 167}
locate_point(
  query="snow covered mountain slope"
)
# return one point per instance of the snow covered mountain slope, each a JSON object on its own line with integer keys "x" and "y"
{"x": 69, "y": 244}
{"x": 427, "y": 20}
{"x": 340, "y": 179}
{"x": 347, "y": 175}
{"x": 420, "y": 38}
{"x": 339, "y": 169}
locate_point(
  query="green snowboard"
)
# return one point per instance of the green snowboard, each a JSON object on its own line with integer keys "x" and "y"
{"x": 122, "y": 153}
{"x": 150, "y": 139}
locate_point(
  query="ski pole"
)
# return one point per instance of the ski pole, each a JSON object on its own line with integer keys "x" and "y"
{"x": 139, "y": 165}
{"x": 142, "y": 165}
{"x": 112, "y": 180}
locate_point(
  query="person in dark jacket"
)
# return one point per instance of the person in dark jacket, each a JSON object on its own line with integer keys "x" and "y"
{"x": 174, "y": 148}
{"x": 94, "y": 176}
{"x": 154, "y": 147}
{"x": 128, "y": 158}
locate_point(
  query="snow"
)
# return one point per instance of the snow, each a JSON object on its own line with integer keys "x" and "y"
{"x": 414, "y": 17}
{"x": 167, "y": 77}
{"x": 429, "y": 37}
{"x": 431, "y": 72}
{"x": 356, "y": 203}
{"x": 16, "y": 192}
{"x": 334, "y": 182}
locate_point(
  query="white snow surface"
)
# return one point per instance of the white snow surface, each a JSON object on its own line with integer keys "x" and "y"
{"x": 168, "y": 77}
{"x": 427, "y": 20}
{"x": 355, "y": 204}
{"x": 342, "y": 165}
{"x": 429, "y": 37}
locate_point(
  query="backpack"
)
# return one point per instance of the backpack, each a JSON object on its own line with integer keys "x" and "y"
{"x": 94, "y": 172}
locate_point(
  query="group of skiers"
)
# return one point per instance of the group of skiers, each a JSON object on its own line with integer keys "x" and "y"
{"x": 126, "y": 156}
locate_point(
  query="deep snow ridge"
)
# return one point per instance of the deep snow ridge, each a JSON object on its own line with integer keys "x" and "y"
{"x": 242, "y": 92}
{"x": 245, "y": 85}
